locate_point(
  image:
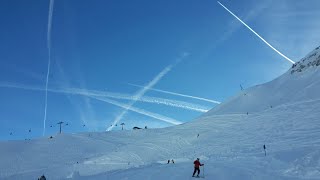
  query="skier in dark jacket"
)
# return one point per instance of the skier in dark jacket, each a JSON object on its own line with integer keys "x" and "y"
{"x": 197, "y": 165}
{"x": 42, "y": 178}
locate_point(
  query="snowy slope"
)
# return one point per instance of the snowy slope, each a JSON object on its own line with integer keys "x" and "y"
{"x": 300, "y": 83}
{"x": 229, "y": 143}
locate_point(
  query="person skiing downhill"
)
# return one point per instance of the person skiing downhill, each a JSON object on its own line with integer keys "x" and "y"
{"x": 42, "y": 178}
{"x": 197, "y": 165}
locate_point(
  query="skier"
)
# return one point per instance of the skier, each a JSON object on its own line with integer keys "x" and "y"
{"x": 168, "y": 161}
{"x": 172, "y": 161}
{"x": 42, "y": 178}
{"x": 264, "y": 148}
{"x": 197, "y": 165}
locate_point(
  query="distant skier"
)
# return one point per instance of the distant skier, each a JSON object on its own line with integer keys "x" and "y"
{"x": 168, "y": 161}
{"x": 197, "y": 165}
{"x": 42, "y": 178}
{"x": 264, "y": 148}
{"x": 198, "y": 136}
{"x": 172, "y": 161}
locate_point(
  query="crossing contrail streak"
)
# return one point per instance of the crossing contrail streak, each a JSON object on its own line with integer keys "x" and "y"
{"x": 93, "y": 95}
{"x": 147, "y": 99}
{"x": 178, "y": 94}
{"x": 257, "y": 34}
{"x": 140, "y": 111}
{"x": 139, "y": 94}
{"x": 142, "y": 91}
{"x": 87, "y": 93}
{"x": 174, "y": 103}
{"x": 49, "y": 62}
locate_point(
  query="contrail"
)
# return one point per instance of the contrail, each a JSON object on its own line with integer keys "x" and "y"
{"x": 178, "y": 94}
{"x": 85, "y": 92}
{"x": 140, "y": 111}
{"x": 19, "y": 86}
{"x": 139, "y": 94}
{"x": 82, "y": 113}
{"x": 50, "y": 24}
{"x": 49, "y": 62}
{"x": 147, "y": 99}
{"x": 92, "y": 95}
{"x": 257, "y": 34}
{"x": 175, "y": 103}
{"x": 142, "y": 91}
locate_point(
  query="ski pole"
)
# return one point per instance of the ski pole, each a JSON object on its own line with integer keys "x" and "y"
{"x": 203, "y": 171}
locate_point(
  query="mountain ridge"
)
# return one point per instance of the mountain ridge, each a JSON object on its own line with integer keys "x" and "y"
{"x": 297, "y": 84}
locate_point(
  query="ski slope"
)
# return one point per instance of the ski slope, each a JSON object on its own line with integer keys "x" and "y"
{"x": 300, "y": 83}
{"x": 282, "y": 114}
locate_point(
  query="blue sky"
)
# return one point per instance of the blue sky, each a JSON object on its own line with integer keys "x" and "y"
{"x": 107, "y": 45}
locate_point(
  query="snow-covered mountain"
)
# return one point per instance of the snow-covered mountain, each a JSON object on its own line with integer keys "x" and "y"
{"x": 299, "y": 83}
{"x": 282, "y": 114}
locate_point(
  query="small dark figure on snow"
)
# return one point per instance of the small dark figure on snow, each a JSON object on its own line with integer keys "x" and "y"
{"x": 42, "y": 178}
{"x": 168, "y": 161}
{"x": 198, "y": 136}
{"x": 172, "y": 161}
{"x": 264, "y": 148}
{"x": 197, "y": 165}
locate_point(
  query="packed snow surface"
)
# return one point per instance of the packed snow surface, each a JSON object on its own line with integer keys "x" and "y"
{"x": 283, "y": 114}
